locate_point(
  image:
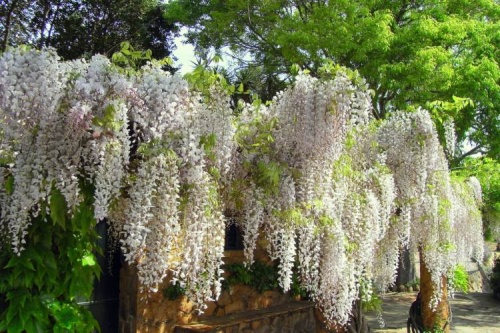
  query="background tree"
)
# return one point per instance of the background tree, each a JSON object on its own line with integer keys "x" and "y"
{"x": 79, "y": 28}
{"x": 410, "y": 52}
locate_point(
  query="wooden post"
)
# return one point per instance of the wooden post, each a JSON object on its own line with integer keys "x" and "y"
{"x": 433, "y": 320}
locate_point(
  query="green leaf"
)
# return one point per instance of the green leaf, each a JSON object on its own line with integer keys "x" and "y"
{"x": 124, "y": 46}
{"x": 15, "y": 325}
{"x": 27, "y": 278}
{"x": 67, "y": 317}
{"x": 240, "y": 88}
{"x": 295, "y": 69}
{"x": 34, "y": 254}
{"x": 50, "y": 262}
{"x": 23, "y": 315}
{"x": 28, "y": 264}
{"x": 58, "y": 208}
{"x": 11, "y": 314}
{"x": 31, "y": 326}
{"x": 13, "y": 262}
{"x": 9, "y": 184}
{"x": 89, "y": 260}
{"x": 18, "y": 297}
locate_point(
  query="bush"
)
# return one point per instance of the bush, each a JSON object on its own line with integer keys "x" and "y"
{"x": 460, "y": 280}
{"x": 258, "y": 275}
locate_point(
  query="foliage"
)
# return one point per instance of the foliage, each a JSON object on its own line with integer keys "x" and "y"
{"x": 45, "y": 283}
{"x": 411, "y": 53}
{"x": 85, "y": 28}
{"x": 460, "y": 279}
{"x": 203, "y": 79}
{"x": 435, "y": 330}
{"x": 78, "y": 128}
{"x": 443, "y": 114}
{"x": 265, "y": 277}
{"x": 127, "y": 57}
{"x": 413, "y": 285}
{"x": 173, "y": 291}
{"x": 261, "y": 276}
{"x": 495, "y": 279}
{"x": 374, "y": 304}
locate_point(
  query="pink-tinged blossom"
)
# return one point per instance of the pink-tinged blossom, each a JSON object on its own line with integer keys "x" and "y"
{"x": 336, "y": 195}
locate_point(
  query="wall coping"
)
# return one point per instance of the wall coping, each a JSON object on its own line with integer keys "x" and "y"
{"x": 214, "y": 324}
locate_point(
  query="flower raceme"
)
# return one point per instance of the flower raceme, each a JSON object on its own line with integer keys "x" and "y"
{"x": 336, "y": 193}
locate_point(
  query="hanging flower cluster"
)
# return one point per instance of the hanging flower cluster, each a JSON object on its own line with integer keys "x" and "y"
{"x": 334, "y": 193}
{"x": 317, "y": 184}
{"x": 430, "y": 206}
{"x": 342, "y": 197}
{"x": 466, "y": 216}
{"x": 140, "y": 140}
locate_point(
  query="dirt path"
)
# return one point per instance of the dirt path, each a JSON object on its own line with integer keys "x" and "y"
{"x": 471, "y": 313}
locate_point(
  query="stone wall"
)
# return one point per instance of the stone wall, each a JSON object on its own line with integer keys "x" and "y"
{"x": 296, "y": 317}
{"x": 154, "y": 313}
{"x": 159, "y": 315}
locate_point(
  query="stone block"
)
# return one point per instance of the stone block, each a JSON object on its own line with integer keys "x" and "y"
{"x": 221, "y": 311}
{"x": 266, "y": 299}
{"x": 253, "y": 302}
{"x": 234, "y": 307}
{"x": 256, "y": 324}
{"x": 185, "y": 305}
{"x": 263, "y": 329}
{"x": 244, "y": 327}
{"x": 279, "y": 298}
{"x": 211, "y": 308}
{"x": 238, "y": 291}
{"x": 234, "y": 256}
{"x": 224, "y": 299}
{"x": 277, "y": 324}
{"x": 170, "y": 312}
{"x": 184, "y": 318}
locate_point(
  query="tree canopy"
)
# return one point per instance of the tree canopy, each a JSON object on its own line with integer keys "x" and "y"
{"x": 81, "y": 28}
{"x": 412, "y": 53}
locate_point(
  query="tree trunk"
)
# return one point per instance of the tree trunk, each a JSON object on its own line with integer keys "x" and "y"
{"x": 7, "y": 26}
{"x": 439, "y": 319}
{"x": 407, "y": 271}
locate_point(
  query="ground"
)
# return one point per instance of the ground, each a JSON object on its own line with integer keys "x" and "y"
{"x": 471, "y": 313}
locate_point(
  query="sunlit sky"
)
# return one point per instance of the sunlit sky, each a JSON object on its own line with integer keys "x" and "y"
{"x": 184, "y": 54}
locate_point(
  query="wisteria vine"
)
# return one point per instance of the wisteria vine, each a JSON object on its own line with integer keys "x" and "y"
{"x": 337, "y": 193}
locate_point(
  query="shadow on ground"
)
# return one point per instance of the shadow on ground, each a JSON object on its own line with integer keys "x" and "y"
{"x": 471, "y": 313}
